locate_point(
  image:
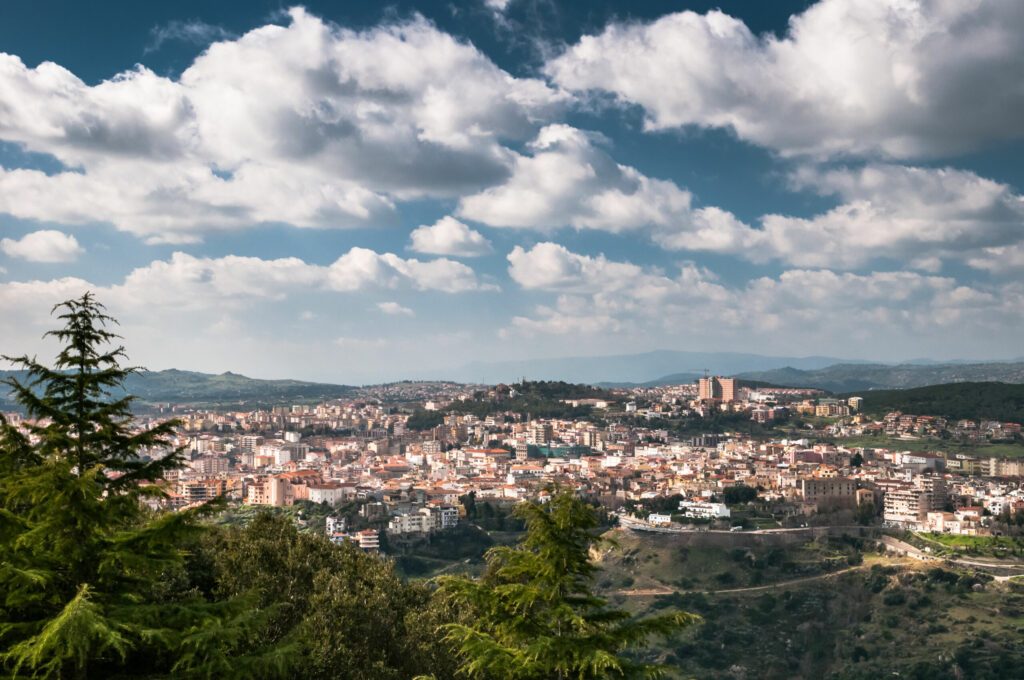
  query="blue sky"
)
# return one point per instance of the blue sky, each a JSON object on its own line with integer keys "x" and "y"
{"x": 358, "y": 192}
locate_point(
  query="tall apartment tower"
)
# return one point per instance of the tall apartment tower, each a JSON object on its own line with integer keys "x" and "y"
{"x": 717, "y": 389}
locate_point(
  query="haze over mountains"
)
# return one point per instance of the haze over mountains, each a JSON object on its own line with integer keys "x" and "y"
{"x": 855, "y": 377}
{"x": 649, "y": 368}
{"x": 629, "y": 368}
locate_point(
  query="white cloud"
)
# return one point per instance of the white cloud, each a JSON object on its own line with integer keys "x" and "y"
{"x": 614, "y": 285}
{"x": 191, "y": 31}
{"x": 448, "y": 236}
{"x": 920, "y": 216}
{"x": 46, "y": 245}
{"x": 570, "y": 180}
{"x": 1000, "y": 260}
{"x": 307, "y": 124}
{"x": 394, "y": 309}
{"x": 892, "y": 77}
{"x": 360, "y": 268}
{"x": 838, "y": 312}
{"x": 186, "y": 282}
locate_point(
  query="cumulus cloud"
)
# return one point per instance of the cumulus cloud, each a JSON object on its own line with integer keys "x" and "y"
{"x": 616, "y": 285}
{"x": 307, "y": 124}
{"x": 188, "y": 282}
{"x": 569, "y": 180}
{"x": 394, "y": 309}
{"x": 917, "y": 215}
{"x": 360, "y": 268}
{"x": 834, "y": 310}
{"x": 901, "y": 79}
{"x": 448, "y": 236}
{"x": 46, "y": 245}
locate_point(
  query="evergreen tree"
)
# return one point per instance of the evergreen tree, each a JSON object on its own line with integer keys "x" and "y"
{"x": 535, "y": 615}
{"x": 81, "y": 557}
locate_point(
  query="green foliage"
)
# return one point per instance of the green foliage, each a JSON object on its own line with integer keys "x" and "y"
{"x": 79, "y": 555}
{"x": 538, "y": 399}
{"x": 973, "y": 400}
{"x": 739, "y": 493}
{"x": 83, "y": 564}
{"x": 425, "y": 420}
{"x": 534, "y": 613}
{"x": 345, "y": 613}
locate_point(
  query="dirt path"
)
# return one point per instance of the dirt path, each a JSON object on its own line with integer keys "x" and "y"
{"x": 650, "y": 592}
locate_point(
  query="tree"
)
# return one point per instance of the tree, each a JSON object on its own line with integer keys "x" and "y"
{"x": 534, "y": 612}
{"x": 866, "y": 513}
{"x": 739, "y": 493}
{"x": 82, "y": 562}
{"x": 347, "y": 614}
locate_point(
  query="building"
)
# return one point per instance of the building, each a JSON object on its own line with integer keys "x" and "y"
{"x": 907, "y": 504}
{"x": 830, "y": 493}
{"x": 539, "y": 433}
{"x": 331, "y": 493}
{"x": 201, "y": 490}
{"x": 704, "y": 510}
{"x": 209, "y": 465}
{"x": 716, "y": 388}
{"x": 369, "y": 540}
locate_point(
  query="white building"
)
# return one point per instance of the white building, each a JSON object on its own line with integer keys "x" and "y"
{"x": 331, "y": 493}
{"x": 704, "y": 510}
{"x": 369, "y": 540}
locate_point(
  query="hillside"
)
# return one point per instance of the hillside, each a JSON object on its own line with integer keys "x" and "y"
{"x": 823, "y": 609}
{"x": 974, "y": 400}
{"x": 862, "y": 377}
{"x": 177, "y": 386}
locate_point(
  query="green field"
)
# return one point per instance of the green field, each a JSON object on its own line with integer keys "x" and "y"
{"x": 984, "y": 546}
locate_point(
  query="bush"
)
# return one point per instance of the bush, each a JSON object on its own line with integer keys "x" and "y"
{"x": 894, "y": 598}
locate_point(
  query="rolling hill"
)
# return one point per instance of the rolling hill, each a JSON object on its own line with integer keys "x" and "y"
{"x": 973, "y": 400}
{"x": 864, "y": 377}
{"x": 178, "y": 386}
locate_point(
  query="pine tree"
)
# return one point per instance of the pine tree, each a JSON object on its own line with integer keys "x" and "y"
{"x": 80, "y": 554}
{"x": 536, "y": 615}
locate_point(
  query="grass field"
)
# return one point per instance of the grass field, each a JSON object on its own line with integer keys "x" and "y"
{"x": 994, "y": 546}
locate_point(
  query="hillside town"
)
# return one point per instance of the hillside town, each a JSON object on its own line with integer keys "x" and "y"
{"x": 410, "y": 482}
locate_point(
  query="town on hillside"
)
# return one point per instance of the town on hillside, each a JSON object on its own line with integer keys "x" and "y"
{"x": 411, "y": 460}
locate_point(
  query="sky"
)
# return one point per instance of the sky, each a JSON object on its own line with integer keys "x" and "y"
{"x": 358, "y": 191}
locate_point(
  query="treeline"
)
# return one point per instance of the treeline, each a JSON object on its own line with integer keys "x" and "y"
{"x": 538, "y": 399}
{"x": 968, "y": 400}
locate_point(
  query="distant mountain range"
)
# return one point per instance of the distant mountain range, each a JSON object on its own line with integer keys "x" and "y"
{"x": 648, "y": 369}
{"x": 862, "y": 377}
{"x": 178, "y": 386}
{"x": 628, "y": 368}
